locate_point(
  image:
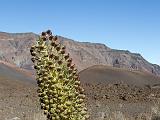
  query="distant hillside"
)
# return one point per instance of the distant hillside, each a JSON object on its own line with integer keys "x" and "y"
{"x": 15, "y": 50}
{"x": 100, "y": 74}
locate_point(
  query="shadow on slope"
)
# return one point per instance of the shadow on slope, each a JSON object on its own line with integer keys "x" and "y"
{"x": 14, "y": 73}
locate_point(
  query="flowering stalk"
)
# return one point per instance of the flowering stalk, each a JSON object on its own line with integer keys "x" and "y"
{"x": 60, "y": 93}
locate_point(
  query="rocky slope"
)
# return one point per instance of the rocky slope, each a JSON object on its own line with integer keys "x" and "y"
{"x": 119, "y": 94}
{"x": 15, "y": 50}
{"x": 18, "y": 97}
{"x": 107, "y": 97}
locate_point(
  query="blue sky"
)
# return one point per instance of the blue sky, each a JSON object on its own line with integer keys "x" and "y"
{"x": 132, "y": 25}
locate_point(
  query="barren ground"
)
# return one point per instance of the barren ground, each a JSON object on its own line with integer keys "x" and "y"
{"x": 111, "y": 93}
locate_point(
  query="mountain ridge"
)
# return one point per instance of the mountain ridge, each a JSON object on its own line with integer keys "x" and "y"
{"x": 15, "y": 50}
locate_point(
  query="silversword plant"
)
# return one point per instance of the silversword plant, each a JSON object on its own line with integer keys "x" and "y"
{"x": 60, "y": 94}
